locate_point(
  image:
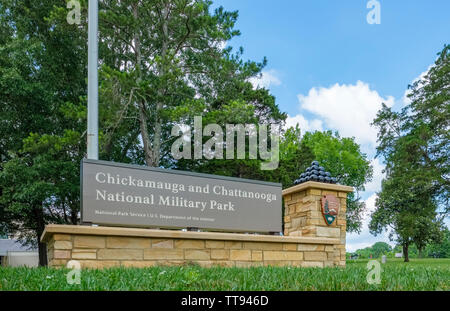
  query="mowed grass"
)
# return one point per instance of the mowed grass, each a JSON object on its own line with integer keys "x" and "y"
{"x": 419, "y": 274}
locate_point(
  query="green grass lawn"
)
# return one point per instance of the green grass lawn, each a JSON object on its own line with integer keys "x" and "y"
{"x": 419, "y": 274}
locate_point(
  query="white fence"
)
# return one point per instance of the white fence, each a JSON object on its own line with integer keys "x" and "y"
{"x": 20, "y": 259}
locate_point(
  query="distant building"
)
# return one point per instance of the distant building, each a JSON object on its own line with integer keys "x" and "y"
{"x": 13, "y": 254}
{"x": 398, "y": 255}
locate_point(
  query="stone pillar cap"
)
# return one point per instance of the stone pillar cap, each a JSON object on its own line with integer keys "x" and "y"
{"x": 317, "y": 185}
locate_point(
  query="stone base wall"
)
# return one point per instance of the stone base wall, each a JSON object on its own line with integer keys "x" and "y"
{"x": 102, "y": 247}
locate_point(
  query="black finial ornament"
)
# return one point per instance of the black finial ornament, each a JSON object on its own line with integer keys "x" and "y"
{"x": 315, "y": 173}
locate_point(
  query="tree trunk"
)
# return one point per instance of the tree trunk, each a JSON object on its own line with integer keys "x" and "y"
{"x": 143, "y": 119}
{"x": 159, "y": 106}
{"x": 42, "y": 248}
{"x": 144, "y": 134}
{"x": 157, "y": 138}
{"x": 405, "y": 252}
{"x": 40, "y": 226}
{"x": 420, "y": 253}
{"x": 74, "y": 214}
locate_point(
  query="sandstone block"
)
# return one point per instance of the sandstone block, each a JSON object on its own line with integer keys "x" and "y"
{"x": 120, "y": 254}
{"x": 315, "y": 192}
{"x": 233, "y": 245}
{"x": 240, "y": 254}
{"x": 62, "y": 245}
{"x": 308, "y": 199}
{"x": 329, "y": 232}
{"x": 162, "y": 253}
{"x": 298, "y": 222}
{"x": 215, "y": 244}
{"x": 84, "y": 254}
{"x": 309, "y": 247}
{"x": 62, "y": 237}
{"x": 315, "y": 221}
{"x": 309, "y": 232}
{"x": 257, "y": 255}
{"x": 291, "y": 209}
{"x": 302, "y": 208}
{"x": 315, "y": 256}
{"x": 329, "y": 248}
{"x": 330, "y": 255}
{"x": 220, "y": 254}
{"x": 263, "y": 246}
{"x": 295, "y": 233}
{"x": 296, "y": 196}
{"x": 193, "y": 254}
{"x": 342, "y": 195}
{"x": 199, "y": 244}
{"x": 162, "y": 243}
{"x": 289, "y": 247}
{"x": 61, "y": 254}
{"x": 89, "y": 242}
{"x": 126, "y": 242}
{"x": 282, "y": 255}
{"x": 325, "y": 192}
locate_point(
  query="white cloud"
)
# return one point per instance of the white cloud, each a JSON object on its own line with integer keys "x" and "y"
{"x": 350, "y": 109}
{"x": 304, "y": 124}
{"x": 266, "y": 79}
{"x": 222, "y": 45}
{"x": 378, "y": 175}
{"x": 370, "y": 208}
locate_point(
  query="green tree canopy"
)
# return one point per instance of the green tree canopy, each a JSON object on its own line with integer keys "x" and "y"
{"x": 414, "y": 144}
{"x": 375, "y": 251}
{"x": 42, "y": 117}
{"x": 380, "y": 248}
{"x": 343, "y": 158}
{"x": 162, "y": 62}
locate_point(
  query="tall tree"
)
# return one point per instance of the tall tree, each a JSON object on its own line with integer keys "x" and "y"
{"x": 414, "y": 144}
{"x": 165, "y": 61}
{"x": 42, "y": 77}
{"x": 380, "y": 248}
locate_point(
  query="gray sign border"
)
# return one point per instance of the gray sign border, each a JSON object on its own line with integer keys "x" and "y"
{"x": 167, "y": 171}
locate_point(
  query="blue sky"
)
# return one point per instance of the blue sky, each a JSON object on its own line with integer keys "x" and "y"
{"x": 330, "y": 69}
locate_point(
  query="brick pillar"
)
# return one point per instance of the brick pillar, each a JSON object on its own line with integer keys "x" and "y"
{"x": 303, "y": 214}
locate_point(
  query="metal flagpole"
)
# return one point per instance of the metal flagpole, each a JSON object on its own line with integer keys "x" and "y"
{"x": 92, "y": 131}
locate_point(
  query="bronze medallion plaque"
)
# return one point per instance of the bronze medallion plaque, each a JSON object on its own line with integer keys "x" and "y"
{"x": 330, "y": 208}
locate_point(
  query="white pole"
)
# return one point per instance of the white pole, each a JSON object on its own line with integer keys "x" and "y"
{"x": 92, "y": 132}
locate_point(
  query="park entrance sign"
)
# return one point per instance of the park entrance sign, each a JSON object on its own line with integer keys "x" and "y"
{"x": 124, "y": 197}
{"x": 135, "y": 196}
